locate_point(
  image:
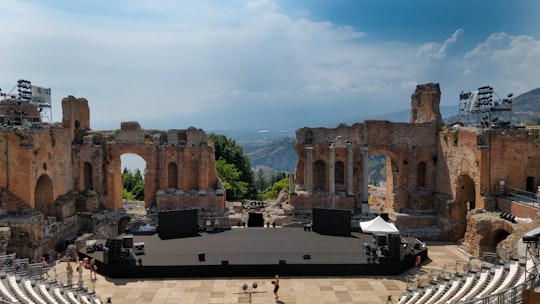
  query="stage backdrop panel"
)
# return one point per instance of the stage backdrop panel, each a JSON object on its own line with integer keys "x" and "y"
{"x": 334, "y": 222}
{"x": 178, "y": 224}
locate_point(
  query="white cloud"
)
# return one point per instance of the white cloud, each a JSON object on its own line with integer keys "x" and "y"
{"x": 137, "y": 60}
{"x": 439, "y": 50}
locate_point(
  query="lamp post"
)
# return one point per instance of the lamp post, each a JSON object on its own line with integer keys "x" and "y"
{"x": 250, "y": 291}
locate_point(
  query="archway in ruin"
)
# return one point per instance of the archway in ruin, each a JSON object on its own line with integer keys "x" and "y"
{"x": 136, "y": 166}
{"x": 383, "y": 171}
{"x": 43, "y": 196}
{"x": 465, "y": 192}
{"x": 489, "y": 242}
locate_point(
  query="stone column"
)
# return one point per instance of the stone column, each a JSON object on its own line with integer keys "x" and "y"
{"x": 349, "y": 170}
{"x": 331, "y": 171}
{"x": 365, "y": 174}
{"x": 291, "y": 183}
{"x": 309, "y": 169}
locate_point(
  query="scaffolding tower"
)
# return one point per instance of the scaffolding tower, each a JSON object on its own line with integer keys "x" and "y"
{"x": 483, "y": 108}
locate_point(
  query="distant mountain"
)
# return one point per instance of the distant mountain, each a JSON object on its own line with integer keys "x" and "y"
{"x": 278, "y": 155}
{"x": 527, "y": 105}
{"x": 275, "y": 150}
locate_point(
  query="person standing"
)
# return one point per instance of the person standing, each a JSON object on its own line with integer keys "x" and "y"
{"x": 276, "y": 286}
{"x": 93, "y": 268}
{"x": 69, "y": 270}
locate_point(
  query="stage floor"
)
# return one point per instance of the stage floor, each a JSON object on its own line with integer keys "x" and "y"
{"x": 251, "y": 246}
{"x": 249, "y": 251}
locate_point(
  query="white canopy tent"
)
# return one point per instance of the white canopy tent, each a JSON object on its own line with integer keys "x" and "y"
{"x": 378, "y": 225}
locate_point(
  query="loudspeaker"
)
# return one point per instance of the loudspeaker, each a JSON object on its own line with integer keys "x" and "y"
{"x": 201, "y": 257}
{"x": 178, "y": 224}
{"x": 127, "y": 241}
{"x": 394, "y": 247}
{"x": 225, "y": 263}
{"x": 307, "y": 256}
{"x": 332, "y": 222}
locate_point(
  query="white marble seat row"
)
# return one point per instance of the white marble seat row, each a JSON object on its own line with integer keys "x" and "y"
{"x": 14, "y": 285}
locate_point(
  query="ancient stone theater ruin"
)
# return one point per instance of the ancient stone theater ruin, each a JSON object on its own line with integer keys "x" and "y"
{"x": 443, "y": 183}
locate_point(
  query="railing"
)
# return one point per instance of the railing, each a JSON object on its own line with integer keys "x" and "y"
{"x": 510, "y": 295}
{"x": 523, "y": 196}
{"x": 513, "y": 294}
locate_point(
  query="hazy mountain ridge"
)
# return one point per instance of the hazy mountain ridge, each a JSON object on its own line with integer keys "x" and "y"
{"x": 275, "y": 150}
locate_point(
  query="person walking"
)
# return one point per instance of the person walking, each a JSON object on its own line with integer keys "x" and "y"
{"x": 93, "y": 269}
{"x": 276, "y": 286}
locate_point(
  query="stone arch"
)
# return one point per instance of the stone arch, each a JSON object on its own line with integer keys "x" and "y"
{"x": 393, "y": 183}
{"x": 465, "y": 192}
{"x": 43, "y": 196}
{"x": 421, "y": 174}
{"x": 490, "y": 242}
{"x": 114, "y": 173}
{"x": 88, "y": 176}
{"x": 319, "y": 176}
{"x": 172, "y": 175}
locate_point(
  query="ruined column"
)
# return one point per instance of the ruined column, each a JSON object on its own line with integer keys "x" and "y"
{"x": 309, "y": 169}
{"x": 365, "y": 173}
{"x": 349, "y": 170}
{"x": 331, "y": 171}
{"x": 291, "y": 183}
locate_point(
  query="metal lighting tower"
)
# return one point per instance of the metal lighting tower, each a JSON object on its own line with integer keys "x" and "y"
{"x": 483, "y": 108}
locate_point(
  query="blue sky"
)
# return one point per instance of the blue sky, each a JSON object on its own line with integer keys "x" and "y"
{"x": 266, "y": 64}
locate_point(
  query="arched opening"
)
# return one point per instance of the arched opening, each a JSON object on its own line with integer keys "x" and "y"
{"x": 133, "y": 170}
{"x": 172, "y": 175}
{"x": 421, "y": 175}
{"x": 339, "y": 175}
{"x": 88, "y": 177}
{"x": 319, "y": 176}
{"x": 377, "y": 180}
{"x": 465, "y": 192}
{"x": 43, "y": 196}
{"x": 490, "y": 242}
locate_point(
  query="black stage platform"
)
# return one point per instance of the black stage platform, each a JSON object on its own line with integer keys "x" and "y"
{"x": 252, "y": 252}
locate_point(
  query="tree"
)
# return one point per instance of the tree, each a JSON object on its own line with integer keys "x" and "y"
{"x": 132, "y": 185}
{"x": 233, "y": 154}
{"x": 230, "y": 177}
{"x": 276, "y": 189}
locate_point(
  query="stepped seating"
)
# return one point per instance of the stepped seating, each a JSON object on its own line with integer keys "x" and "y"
{"x": 6, "y": 293}
{"x": 59, "y": 296}
{"x": 463, "y": 288}
{"x": 72, "y": 298}
{"x": 478, "y": 284}
{"x": 451, "y": 290}
{"x": 473, "y": 286}
{"x": 496, "y": 279}
{"x": 522, "y": 276}
{"x": 33, "y": 294}
{"x": 513, "y": 272}
{"x": 440, "y": 291}
{"x": 45, "y": 293}
{"x": 414, "y": 296}
{"x": 14, "y": 285}
{"x": 425, "y": 296}
{"x": 27, "y": 284}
